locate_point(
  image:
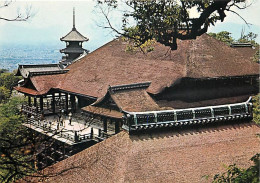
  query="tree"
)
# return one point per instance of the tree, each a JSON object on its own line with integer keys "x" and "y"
{"x": 19, "y": 16}
{"x": 169, "y": 20}
{"x": 18, "y": 145}
{"x": 248, "y": 38}
{"x": 4, "y": 94}
{"x": 223, "y": 36}
{"x": 3, "y": 71}
{"x": 256, "y": 109}
{"x": 8, "y": 80}
{"x": 239, "y": 175}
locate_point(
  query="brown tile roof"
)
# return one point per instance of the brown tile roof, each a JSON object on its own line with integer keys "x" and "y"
{"x": 26, "y": 90}
{"x": 179, "y": 156}
{"x": 248, "y": 52}
{"x": 45, "y": 82}
{"x": 112, "y": 65}
{"x": 103, "y": 112}
{"x": 131, "y": 97}
{"x": 40, "y": 69}
{"x": 208, "y": 57}
{"x": 178, "y": 104}
{"x": 134, "y": 101}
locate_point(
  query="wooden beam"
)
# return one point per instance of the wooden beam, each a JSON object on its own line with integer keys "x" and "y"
{"x": 105, "y": 125}
{"x": 34, "y": 101}
{"x": 41, "y": 103}
{"x": 29, "y": 101}
{"x": 117, "y": 129}
{"x": 73, "y": 104}
{"x": 66, "y": 102}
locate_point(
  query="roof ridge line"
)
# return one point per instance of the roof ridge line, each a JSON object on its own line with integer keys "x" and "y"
{"x": 37, "y": 65}
{"x": 129, "y": 86}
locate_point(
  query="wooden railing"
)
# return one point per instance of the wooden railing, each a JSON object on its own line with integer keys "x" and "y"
{"x": 71, "y": 135}
{"x": 32, "y": 111}
{"x": 190, "y": 116}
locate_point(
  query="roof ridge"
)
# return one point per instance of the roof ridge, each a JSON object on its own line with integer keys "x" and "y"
{"x": 129, "y": 86}
{"x": 37, "y": 65}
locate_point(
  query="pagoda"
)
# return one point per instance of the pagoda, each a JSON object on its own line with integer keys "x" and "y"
{"x": 74, "y": 42}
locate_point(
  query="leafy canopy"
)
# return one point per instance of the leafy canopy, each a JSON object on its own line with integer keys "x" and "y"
{"x": 169, "y": 20}
{"x": 239, "y": 175}
{"x": 223, "y": 36}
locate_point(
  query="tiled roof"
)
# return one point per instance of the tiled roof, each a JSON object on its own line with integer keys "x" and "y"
{"x": 204, "y": 57}
{"x": 179, "y": 156}
{"x": 131, "y": 97}
{"x": 103, "y": 112}
{"x": 41, "y": 69}
{"x": 72, "y": 50}
{"x": 137, "y": 100}
{"x": 74, "y": 35}
{"x": 46, "y": 82}
{"x": 248, "y": 52}
{"x": 178, "y": 104}
{"x": 26, "y": 90}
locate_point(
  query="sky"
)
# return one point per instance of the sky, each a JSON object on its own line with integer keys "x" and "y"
{"x": 53, "y": 19}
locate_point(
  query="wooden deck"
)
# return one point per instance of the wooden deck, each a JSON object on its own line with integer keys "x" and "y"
{"x": 79, "y": 131}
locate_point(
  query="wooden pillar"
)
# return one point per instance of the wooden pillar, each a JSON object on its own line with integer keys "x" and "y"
{"x": 117, "y": 129}
{"x": 66, "y": 102}
{"x": 41, "y": 103}
{"x": 34, "y": 101}
{"x": 79, "y": 102}
{"x": 105, "y": 125}
{"x": 53, "y": 103}
{"x": 91, "y": 133}
{"x": 29, "y": 101}
{"x": 72, "y": 100}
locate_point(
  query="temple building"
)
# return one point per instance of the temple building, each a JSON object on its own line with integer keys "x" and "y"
{"x": 203, "y": 87}
{"x": 74, "y": 41}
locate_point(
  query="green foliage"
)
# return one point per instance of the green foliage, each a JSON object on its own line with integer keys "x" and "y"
{"x": 239, "y": 175}
{"x": 8, "y": 80}
{"x": 3, "y": 71}
{"x": 132, "y": 46}
{"x": 256, "y": 109}
{"x": 4, "y": 94}
{"x": 10, "y": 117}
{"x": 248, "y": 38}
{"x": 13, "y": 138}
{"x": 257, "y": 57}
{"x": 168, "y": 20}
{"x": 223, "y": 36}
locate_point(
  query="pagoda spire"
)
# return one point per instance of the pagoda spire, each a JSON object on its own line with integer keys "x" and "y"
{"x": 74, "y": 42}
{"x": 74, "y": 18}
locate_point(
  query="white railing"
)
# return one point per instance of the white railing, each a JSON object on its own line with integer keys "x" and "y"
{"x": 190, "y": 115}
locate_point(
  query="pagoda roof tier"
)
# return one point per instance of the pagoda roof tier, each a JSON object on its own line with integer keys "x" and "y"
{"x": 74, "y": 35}
{"x": 73, "y": 50}
{"x": 41, "y": 69}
